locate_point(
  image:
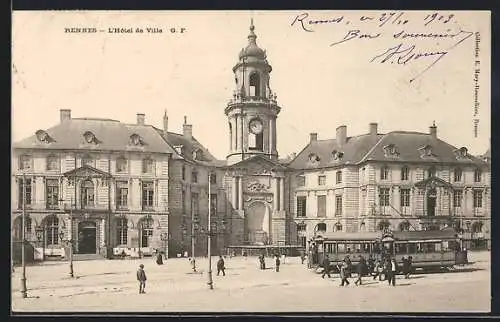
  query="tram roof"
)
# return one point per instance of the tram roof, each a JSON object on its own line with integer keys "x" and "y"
{"x": 424, "y": 234}
{"x": 345, "y": 236}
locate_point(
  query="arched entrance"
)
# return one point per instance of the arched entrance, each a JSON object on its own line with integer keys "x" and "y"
{"x": 258, "y": 223}
{"x": 431, "y": 202}
{"x": 87, "y": 237}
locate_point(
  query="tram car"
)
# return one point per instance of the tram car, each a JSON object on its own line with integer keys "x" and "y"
{"x": 337, "y": 245}
{"x": 428, "y": 249}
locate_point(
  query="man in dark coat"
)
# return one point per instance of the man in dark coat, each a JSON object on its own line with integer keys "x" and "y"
{"x": 361, "y": 268}
{"x": 141, "y": 277}
{"x": 220, "y": 266}
{"x": 326, "y": 267}
{"x": 278, "y": 262}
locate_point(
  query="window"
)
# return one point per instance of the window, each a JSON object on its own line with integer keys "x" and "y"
{"x": 384, "y": 173}
{"x": 52, "y": 163}
{"x": 478, "y": 198}
{"x": 121, "y": 165}
{"x": 301, "y": 206}
{"x": 213, "y": 204}
{"x": 52, "y": 230}
{"x": 52, "y": 193}
{"x": 431, "y": 172}
{"x": 457, "y": 175}
{"x": 338, "y": 227}
{"x": 457, "y": 198}
{"x": 303, "y": 241}
{"x": 405, "y": 173}
{"x": 18, "y": 228}
{"x": 477, "y": 227}
{"x": 321, "y": 206}
{"x": 383, "y": 225}
{"x": 254, "y": 85}
{"x": 121, "y": 195}
{"x": 194, "y": 176}
{"x": 301, "y": 181}
{"x": 338, "y": 205}
{"x": 321, "y": 227}
{"x": 338, "y": 176}
{"x": 405, "y": 197}
{"x": 25, "y": 162}
{"x": 213, "y": 178}
{"x": 87, "y": 193}
{"x": 88, "y": 161}
{"x": 404, "y": 226}
{"x": 121, "y": 231}
{"x": 321, "y": 180}
{"x": 256, "y": 141}
{"x": 183, "y": 172}
{"x": 230, "y": 136}
{"x": 477, "y": 175}
{"x": 183, "y": 200}
{"x": 147, "y": 195}
{"x": 27, "y": 192}
{"x": 147, "y": 166}
{"x": 301, "y": 227}
{"x": 146, "y": 231}
{"x": 195, "y": 208}
{"x": 384, "y": 197}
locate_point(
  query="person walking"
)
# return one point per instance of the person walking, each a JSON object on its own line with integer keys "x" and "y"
{"x": 193, "y": 264}
{"x": 379, "y": 269}
{"x": 220, "y": 266}
{"x": 347, "y": 260}
{"x": 371, "y": 264}
{"x": 406, "y": 263}
{"x": 392, "y": 270}
{"x": 302, "y": 257}
{"x": 141, "y": 277}
{"x": 410, "y": 264}
{"x": 344, "y": 274}
{"x": 262, "y": 261}
{"x": 326, "y": 267}
{"x": 361, "y": 268}
{"x": 278, "y": 263}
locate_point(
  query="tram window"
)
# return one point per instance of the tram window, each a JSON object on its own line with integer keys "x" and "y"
{"x": 412, "y": 248}
{"x": 420, "y": 248}
{"x": 437, "y": 247}
{"x": 400, "y": 248}
{"x": 366, "y": 248}
{"x": 357, "y": 248}
{"x": 429, "y": 248}
{"x": 341, "y": 248}
{"x": 445, "y": 246}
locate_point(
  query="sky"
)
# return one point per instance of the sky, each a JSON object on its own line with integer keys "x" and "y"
{"x": 321, "y": 82}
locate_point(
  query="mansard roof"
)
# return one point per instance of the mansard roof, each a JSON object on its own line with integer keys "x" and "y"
{"x": 98, "y": 134}
{"x": 407, "y": 147}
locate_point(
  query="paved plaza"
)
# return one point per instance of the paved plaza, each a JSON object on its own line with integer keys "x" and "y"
{"x": 110, "y": 285}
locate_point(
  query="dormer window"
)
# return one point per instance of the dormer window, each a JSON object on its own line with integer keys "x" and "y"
{"x": 431, "y": 172}
{"x": 136, "y": 140}
{"x": 179, "y": 149}
{"x": 426, "y": 151}
{"x": 457, "y": 175}
{"x": 390, "y": 150}
{"x": 87, "y": 160}
{"x": 121, "y": 164}
{"x": 337, "y": 155}
{"x": 43, "y": 137}
{"x": 90, "y": 138}
{"x": 25, "y": 162}
{"x": 198, "y": 154}
{"x": 147, "y": 165}
{"x": 301, "y": 180}
{"x": 52, "y": 163}
{"x": 313, "y": 158}
{"x": 461, "y": 153}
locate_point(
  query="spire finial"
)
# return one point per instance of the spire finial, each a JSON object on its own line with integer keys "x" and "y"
{"x": 185, "y": 119}
{"x": 252, "y": 27}
{"x": 252, "y": 36}
{"x": 434, "y": 123}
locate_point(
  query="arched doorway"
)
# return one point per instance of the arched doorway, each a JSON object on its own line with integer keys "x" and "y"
{"x": 87, "y": 237}
{"x": 18, "y": 229}
{"x": 258, "y": 223}
{"x": 431, "y": 202}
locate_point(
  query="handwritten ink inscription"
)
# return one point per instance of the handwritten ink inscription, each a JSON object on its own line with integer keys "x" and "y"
{"x": 416, "y": 38}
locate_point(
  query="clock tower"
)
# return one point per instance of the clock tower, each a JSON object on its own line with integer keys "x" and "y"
{"x": 253, "y": 110}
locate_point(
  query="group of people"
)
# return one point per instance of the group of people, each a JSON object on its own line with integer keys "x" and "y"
{"x": 277, "y": 262}
{"x": 385, "y": 269}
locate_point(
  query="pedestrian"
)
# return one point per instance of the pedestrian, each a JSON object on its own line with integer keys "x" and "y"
{"x": 192, "y": 261}
{"x": 262, "y": 261}
{"x": 277, "y": 263}
{"x": 220, "y": 266}
{"x": 371, "y": 264}
{"x": 361, "y": 269}
{"x": 159, "y": 258}
{"x": 343, "y": 274}
{"x": 245, "y": 254}
{"x": 326, "y": 267}
{"x": 302, "y": 257}
{"x": 348, "y": 262}
{"x": 283, "y": 257}
{"x": 410, "y": 264}
{"x": 141, "y": 277}
{"x": 406, "y": 266}
{"x": 392, "y": 272}
{"x": 378, "y": 270}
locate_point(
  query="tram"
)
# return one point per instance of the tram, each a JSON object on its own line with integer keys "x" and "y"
{"x": 428, "y": 249}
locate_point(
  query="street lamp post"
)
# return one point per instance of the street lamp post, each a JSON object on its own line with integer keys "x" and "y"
{"x": 24, "y": 292}
{"x": 69, "y": 239}
{"x": 192, "y": 240}
{"x": 209, "y": 228}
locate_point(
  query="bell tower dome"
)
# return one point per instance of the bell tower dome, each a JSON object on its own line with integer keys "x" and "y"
{"x": 253, "y": 110}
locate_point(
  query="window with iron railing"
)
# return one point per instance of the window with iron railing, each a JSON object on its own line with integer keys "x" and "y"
{"x": 301, "y": 206}
{"x": 147, "y": 195}
{"x": 52, "y": 193}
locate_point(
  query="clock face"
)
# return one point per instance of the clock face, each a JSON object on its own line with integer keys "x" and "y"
{"x": 255, "y": 126}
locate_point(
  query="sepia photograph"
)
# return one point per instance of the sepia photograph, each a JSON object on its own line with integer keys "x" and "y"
{"x": 306, "y": 161}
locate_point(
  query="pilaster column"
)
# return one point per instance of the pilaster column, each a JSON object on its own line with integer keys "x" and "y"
{"x": 240, "y": 191}
{"x": 235, "y": 191}
{"x": 276, "y": 194}
{"x": 282, "y": 193}
{"x": 271, "y": 131}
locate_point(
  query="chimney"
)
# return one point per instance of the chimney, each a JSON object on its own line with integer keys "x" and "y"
{"x": 165, "y": 122}
{"x": 140, "y": 118}
{"x": 65, "y": 115}
{"x": 187, "y": 129}
{"x": 313, "y": 136}
{"x": 373, "y": 129}
{"x": 433, "y": 130}
{"x": 341, "y": 135}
